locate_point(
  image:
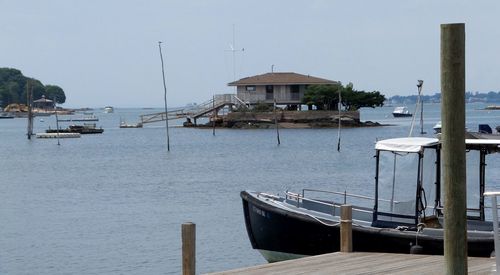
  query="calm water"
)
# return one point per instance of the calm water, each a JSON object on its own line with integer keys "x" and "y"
{"x": 114, "y": 203}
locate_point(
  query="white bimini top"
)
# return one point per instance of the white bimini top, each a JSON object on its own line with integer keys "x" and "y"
{"x": 408, "y": 144}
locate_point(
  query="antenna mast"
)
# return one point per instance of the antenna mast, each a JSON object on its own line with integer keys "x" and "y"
{"x": 234, "y": 50}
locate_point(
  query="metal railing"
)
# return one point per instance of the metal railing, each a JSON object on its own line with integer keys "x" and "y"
{"x": 494, "y": 213}
{"x": 217, "y": 102}
{"x": 299, "y": 197}
{"x": 344, "y": 194}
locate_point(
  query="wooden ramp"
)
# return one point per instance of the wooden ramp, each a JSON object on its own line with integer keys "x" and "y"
{"x": 365, "y": 263}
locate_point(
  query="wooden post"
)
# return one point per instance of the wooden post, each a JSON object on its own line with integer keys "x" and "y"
{"x": 164, "y": 95}
{"x": 346, "y": 228}
{"x": 453, "y": 140}
{"x": 214, "y": 115}
{"x": 188, "y": 248}
{"x": 276, "y": 123}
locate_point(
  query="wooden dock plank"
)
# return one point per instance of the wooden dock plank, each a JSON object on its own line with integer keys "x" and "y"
{"x": 364, "y": 263}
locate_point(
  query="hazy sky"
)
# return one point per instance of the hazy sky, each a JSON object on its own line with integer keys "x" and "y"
{"x": 106, "y": 52}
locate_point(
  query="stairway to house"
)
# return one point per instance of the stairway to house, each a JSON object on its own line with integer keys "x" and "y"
{"x": 215, "y": 104}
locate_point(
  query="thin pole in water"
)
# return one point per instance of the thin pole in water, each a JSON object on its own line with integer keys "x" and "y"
{"x": 57, "y": 121}
{"x": 164, "y": 95}
{"x": 340, "y": 118}
{"x": 29, "y": 103}
{"x": 214, "y": 115}
{"x": 276, "y": 123}
{"x": 419, "y": 86}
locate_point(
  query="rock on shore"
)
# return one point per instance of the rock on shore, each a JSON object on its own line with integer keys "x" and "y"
{"x": 291, "y": 119}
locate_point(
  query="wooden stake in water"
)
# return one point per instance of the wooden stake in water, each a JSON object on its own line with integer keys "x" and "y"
{"x": 57, "y": 121}
{"x": 214, "y": 115}
{"x": 340, "y": 117}
{"x": 276, "y": 122}
{"x": 29, "y": 103}
{"x": 419, "y": 86}
{"x": 164, "y": 95}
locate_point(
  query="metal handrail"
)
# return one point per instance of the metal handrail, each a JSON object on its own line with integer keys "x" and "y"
{"x": 298, "y": 197}
{"x": 494, "y": 213}
{"x": 345, "y": 194}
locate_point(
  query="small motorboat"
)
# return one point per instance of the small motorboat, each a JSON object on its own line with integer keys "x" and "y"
{"x": 108, "y": 109}
{"x": 123, "y": 124}
{"x": 406, "y": 208}
{"x": 401, "y": 112}
{"x": 437, "y": 128}
{"x": 5, "y": 115}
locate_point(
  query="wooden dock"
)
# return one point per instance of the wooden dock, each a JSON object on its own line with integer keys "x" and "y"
{"x": 365, "y": 263}
{"x": 56, "y": 135}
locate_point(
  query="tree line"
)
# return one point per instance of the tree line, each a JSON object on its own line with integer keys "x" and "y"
{"x": 14, "y": 87}
{"x": 490, "y": 96}
{"x": 326, "y": 97}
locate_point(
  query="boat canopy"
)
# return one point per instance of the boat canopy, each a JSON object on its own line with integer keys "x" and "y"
{"x": 408, "y": 144}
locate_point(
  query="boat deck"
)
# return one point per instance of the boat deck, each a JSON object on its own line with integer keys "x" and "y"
{"x": 365, "y": 263}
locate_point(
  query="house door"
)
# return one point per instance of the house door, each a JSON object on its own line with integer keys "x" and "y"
{"x": 269, "y": 92}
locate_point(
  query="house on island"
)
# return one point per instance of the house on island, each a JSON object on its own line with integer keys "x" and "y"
{"x": 43, "y": 103}
{"x": 286, "y": 87}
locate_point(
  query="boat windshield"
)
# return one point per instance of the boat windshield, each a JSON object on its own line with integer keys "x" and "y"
{"x": 399, "y": 182}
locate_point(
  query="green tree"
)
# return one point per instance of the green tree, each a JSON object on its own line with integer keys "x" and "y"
{"x": 53, "y": 91}
{"x": 325, "y": 97}
{"x": 14, "y": 86}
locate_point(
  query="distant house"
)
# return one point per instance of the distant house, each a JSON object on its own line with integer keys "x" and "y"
{"x": 286, "y": 88}
{"x": 44, "y": 103}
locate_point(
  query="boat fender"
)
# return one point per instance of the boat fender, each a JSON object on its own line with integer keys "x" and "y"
{"x": 416, "y": 249}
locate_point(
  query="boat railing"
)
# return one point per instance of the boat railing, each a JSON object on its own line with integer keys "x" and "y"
{"x": 494, "y": 213}
{"x": 344, "y": 194}
{"x": 301, "y": 197}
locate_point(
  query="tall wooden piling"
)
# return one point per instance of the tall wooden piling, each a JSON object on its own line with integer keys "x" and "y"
{"x": 453, "y": 141}
{"x": 346, "y": 228}
{"x": 188, "y": 248}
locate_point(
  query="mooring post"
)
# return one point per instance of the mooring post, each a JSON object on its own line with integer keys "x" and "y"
{"x": 453, "y": 142}
{"x": 188, "y": 248}
{"x": 346, "y": 228}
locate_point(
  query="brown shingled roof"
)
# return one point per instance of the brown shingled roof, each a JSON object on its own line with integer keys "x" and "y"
{"x": 281, "y": 79}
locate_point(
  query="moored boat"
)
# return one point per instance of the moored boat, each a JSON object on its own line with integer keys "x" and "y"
{"x": 124, "y": 124}
{"x": 407, "y": 208}
{"x": 401, "y": 112}
{"x": 492, "y": 107}
{"x": 86, "y": 128}
{"x": 108, "y": 109}
{"x": 5, "y": 115}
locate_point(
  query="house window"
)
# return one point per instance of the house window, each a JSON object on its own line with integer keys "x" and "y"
{"x": 269, "y": 92}
{"x": 295, "y": 92}
{"x": 250, "y": 88}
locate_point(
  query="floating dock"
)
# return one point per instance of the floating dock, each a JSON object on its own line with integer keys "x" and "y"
{"x": 56, "y": 135}
{"x": 365, "y": 263}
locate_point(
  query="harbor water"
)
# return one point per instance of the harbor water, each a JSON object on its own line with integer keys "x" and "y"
{"x": 114, "y": 203}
